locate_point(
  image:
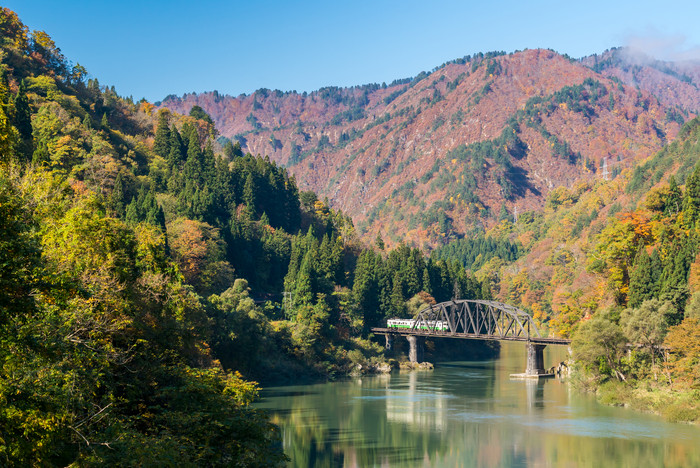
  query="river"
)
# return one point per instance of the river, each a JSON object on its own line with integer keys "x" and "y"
{"x": 470, "y": 413}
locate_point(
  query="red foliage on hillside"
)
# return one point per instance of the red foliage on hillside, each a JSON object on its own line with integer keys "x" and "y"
{"x": 382, "y": 153}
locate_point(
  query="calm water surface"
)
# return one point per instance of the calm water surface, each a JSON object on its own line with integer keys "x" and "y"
{"x": 470, "y": 414}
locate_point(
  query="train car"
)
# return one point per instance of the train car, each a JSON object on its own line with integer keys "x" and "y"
{"x": 410, "y": 324}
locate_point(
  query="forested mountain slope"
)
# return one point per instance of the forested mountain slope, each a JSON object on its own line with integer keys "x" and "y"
{"x": 581, "y": 253}
{"x": 145, "y": 270}
{"x": 427, "y": 159}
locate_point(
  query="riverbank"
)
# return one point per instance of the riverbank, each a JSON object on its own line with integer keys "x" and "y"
{"x": 674, "y": 405}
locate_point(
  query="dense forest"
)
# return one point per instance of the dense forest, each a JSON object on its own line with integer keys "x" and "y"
{"x": 151, "y": 272}
{"x": 147, "y": 273}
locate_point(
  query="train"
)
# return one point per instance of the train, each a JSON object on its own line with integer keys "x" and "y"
{"x": 423, "y": 325}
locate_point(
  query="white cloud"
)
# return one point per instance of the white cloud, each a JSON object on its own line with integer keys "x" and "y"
{"x": 669, "y": 47}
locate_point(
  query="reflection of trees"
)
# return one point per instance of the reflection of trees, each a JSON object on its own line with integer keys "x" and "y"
{"x": 347, "y": 424}
{"x": 468, "y": 414}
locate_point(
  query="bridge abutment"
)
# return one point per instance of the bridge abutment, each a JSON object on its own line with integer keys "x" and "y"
{"x": 535, "y": 359}
{"x": 389, "y": 342}
{"x": 416, "y": 348}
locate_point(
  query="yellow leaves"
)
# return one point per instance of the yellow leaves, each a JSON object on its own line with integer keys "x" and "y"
{"x": 43, "y": 40}
{"x": 656, "y": 199}
{"x": 617, "y": 246}
{"x": 454, "y": 161}
{"x": 639, "y": 223}
{"x": 62, "y": 148}
{"x": 150, "y": 247}
{"x": 43, "y": 85}
{"x": 243, "y": 391}
{"x": 684, "y": 341}
{"x": 147, "y": 108}
{"x": 694, "y": 275}
{"x": 189, "y": 245}
{"x": 560, "y": 196}
{"x": 538, "y": 312}
{"x": 519, "y": 286}
{"x": 321, "y": 209}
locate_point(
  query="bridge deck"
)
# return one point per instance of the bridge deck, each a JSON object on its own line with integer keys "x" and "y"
{"x": 469, "y": 336}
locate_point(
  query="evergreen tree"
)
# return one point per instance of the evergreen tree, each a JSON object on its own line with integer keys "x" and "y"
{"x": 366, "y": 289}
{"x": 228, "y": 149}
{"x": 8, "y": 133}
{"x": 198, "y": 113}
{"x": 691, "y": 201}
{"x": 23, "y": 122}
{"x": 208, "y": 165}
{"x": 657, "y": 268}
{"x": 304, "y": 289}
{"x": 379, "y": 242}
{"x": 117, "y": 199}
{"x": 161, "y": 144}
{"x": 132, "y": 215}
{"x": 87, "y": 122}
{"x": 456, "y": 290}
{"x": 176, "y": 152}
{"x": 674, "y": 202}
{"x": 193, "y": 170}
{"x": 642, "y": 281}
{"x": 237, "y": 150}
{"x": 503, "y": 213}
{"x": 412, "y": 273}
{"x": 427, "y": 287}
{"x": 398, "y": 301}
{"x": 250, "y": 194}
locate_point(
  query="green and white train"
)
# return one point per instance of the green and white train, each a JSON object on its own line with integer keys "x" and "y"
{"x": 422, "y": 325}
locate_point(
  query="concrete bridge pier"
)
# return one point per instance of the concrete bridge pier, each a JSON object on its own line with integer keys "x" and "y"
{"x": 535, "y": 359}
{"x": 416, "y": 348}
{"x": 389, "y": 346}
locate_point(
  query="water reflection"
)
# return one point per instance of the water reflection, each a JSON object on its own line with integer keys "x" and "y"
{"x": 469, "y": 414}
{"x": 424, "y": 408}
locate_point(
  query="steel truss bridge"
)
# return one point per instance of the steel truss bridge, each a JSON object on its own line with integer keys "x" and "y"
{"x": 475, "y": 320}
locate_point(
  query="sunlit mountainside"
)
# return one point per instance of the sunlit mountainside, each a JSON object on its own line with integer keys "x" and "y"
{"x": 428, "y": 158}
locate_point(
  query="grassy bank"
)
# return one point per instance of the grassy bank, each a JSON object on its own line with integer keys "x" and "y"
{"x": 673, "y": 404}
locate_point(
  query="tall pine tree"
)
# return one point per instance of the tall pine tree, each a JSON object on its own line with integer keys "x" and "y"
{"x": 161, "y": 144}
{"x": 642, "y": 280}
{"x": 23, "y": 123}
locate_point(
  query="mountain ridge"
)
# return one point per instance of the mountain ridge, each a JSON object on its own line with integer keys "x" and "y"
{"x": 367, "y": 147}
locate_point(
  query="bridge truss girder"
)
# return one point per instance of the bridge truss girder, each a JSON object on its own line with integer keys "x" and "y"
{"x": 476, "y": 317}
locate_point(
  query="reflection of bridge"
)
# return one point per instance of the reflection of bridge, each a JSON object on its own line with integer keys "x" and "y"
{"x": 474, "y": 320}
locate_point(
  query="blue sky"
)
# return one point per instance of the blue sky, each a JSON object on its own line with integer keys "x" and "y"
{"x": 152, "y": 48}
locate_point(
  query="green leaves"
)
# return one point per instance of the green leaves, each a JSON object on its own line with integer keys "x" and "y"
{"x": 102, "y": 351}
{"x": 598, "y": 344}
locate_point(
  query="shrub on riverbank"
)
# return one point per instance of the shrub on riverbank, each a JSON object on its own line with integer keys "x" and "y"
{"x": 659, "y": 374}
{"x": 673, "y": 405}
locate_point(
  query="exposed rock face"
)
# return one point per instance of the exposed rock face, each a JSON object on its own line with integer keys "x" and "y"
{"x": 398, "y": 158}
